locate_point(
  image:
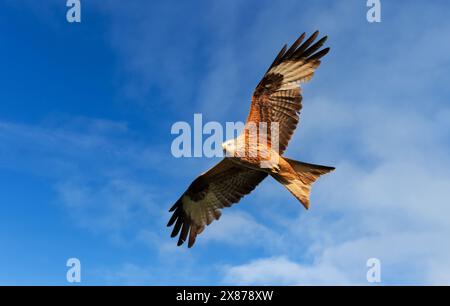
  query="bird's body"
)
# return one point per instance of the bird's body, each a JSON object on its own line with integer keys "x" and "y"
{"x": 258, "y": 151}
{"x": 255, "y": 154}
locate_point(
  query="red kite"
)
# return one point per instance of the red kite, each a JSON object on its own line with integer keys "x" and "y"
{"x": 276, "y": 99}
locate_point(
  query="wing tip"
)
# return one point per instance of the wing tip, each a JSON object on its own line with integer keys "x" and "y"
{"x": 182, "y": 227}
{"x": 176, "y": 227}
{"x": 302, "y": 49}
{"x": 172, "y": 219}
{"x": 317, "y": 56}
{"x": 176, "y": 205}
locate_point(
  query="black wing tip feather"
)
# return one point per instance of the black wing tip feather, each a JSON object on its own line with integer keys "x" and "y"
{"x": 308, "y": 49}
{"x": 299, "y": 50}
{"x": 182, "y": 226}
{"x": 294, "y": 46}
{"x": 320, "y": 54}
{"x": 176, "y": 205}
{"x": 279, "y": 58}
{"x": 305, "y": 50}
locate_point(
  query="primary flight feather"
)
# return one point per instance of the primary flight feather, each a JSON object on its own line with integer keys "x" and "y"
{"x": 276, "y": 102}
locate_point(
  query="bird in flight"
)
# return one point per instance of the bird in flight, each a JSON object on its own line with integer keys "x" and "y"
{"x": 276, "y": 102}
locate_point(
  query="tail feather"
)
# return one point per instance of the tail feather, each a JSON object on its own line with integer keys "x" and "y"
{"x": 299, "y": 177}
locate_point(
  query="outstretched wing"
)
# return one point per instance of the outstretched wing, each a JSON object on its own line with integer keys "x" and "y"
{"x": 277, "y": 98}
{"x": 221, "y": 186}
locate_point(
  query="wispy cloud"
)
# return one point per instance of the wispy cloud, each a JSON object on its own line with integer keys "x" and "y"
{"x": 282, "y": 271}
{"x": 244, "y": 226}
{"x": 94, "y": 167}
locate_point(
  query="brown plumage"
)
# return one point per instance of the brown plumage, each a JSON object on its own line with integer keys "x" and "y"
{"x": 276, "y": 100}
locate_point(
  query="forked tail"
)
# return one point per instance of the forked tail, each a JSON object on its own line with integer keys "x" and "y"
{"x": 299, "y": 177}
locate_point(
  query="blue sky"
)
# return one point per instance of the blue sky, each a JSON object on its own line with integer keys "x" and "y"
{"x": 86, "y": 169}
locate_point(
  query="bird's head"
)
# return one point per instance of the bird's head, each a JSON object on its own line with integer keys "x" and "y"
{"x": 229, "y": 147}
{"x": 234, "y": 147}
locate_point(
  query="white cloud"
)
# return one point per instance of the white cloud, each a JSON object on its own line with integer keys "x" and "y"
{"x": 281, "y": 271}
